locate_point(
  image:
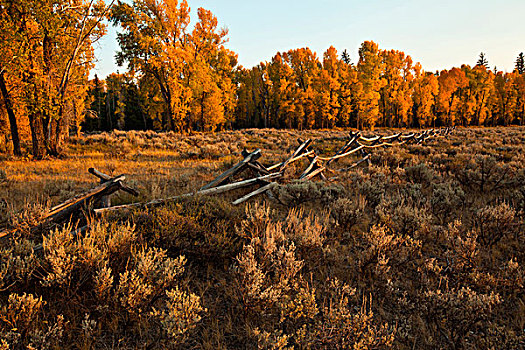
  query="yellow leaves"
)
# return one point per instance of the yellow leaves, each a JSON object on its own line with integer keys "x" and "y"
{"x": 193, "y": 70}
{"x": 369, "y": 70}
{"x": 21, "y": 311}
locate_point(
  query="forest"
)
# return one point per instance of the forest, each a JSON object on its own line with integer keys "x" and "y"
{"x": 180, "y": 76}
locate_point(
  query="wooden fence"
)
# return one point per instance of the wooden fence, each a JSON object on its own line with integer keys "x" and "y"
{"x": 267, "y": 177}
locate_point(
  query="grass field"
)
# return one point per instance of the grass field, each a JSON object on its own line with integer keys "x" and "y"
{"x": 423, "y": 249}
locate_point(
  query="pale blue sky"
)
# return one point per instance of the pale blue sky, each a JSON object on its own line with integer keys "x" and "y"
{"x": 440, "y": 34}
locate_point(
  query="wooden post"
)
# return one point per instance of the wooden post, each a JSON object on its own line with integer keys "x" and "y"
{"x": 222, "y": 178}
{"x": 104, "y": 178}
{"x": 299, "y": 151}
{"x": 67, "y": 208}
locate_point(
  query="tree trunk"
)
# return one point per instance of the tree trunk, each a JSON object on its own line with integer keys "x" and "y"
{"x": 57, "y": 131}
{"x": 11, "y": 114}
{"x": 37, "y": 137}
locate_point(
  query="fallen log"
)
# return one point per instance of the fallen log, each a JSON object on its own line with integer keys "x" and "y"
{"x": 344, "y": 148}
{"x": 392, "y": 137}
{"x": 408, "y": 136}
{"x": 257, "y": 163}
{"x": 366, "y": 155}
{"x": 366, "y": 158}
{"x": 371, "y": 139}
{"x": 360, "y": 161}
{"x": 65, "y": 210}
{"x": 343, "y": 154}
{"x": 312, "y": 174}
{"x": 258, "y": 169}
{"x": 376, "y": 145}
{"x": 206, "y": 192}
{"x": 310, "y": 168}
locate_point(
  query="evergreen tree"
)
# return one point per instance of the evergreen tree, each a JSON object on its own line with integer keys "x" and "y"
{"x": 520, "y": 63}
{"x": 95, "y": 106}
{"x": 482, "y": 61}
{"x": 345, "y": 57}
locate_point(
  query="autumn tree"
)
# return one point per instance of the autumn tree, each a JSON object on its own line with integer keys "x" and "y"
{"x": 51, "y": 57}
{"x": 474, "y": 99}
{"x": 305, "y": 66}
{"x": 258, "y": 96}
{"x": 519, "y": 85}
{"x": 370, "y": 83}
{"x": 246, "y": 96}
{"x": 68, "y": 33}
{"x": 450, "y": 84}
{"x": 504, "y": 98}
{"x": 153, "y": 43}
{"x": 290, "y": 111}
{"x": 396, "y": 94}
{"x": 327, "y": 90}
{"x": 347, "y": 94}
{"x": 9, "y": 39}
{"x": 425, "y": 91}
{"x": 193, "y": 70}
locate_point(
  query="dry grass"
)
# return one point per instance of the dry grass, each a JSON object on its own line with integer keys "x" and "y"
{"x": 423, "y": 249}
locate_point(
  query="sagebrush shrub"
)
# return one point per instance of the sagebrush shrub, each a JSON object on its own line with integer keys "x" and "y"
{"x": 373, "y": 189}
{"x": 348, "y": 213}
{"x": 420, "y": 174}
{"x": 463, "y": 249}
{"x": 402, "y": 216}
{"x": 457, "y": 313}
{"x": 306, "y": 229}
{"x": 298, "y": 192}
{"x": 493, "y": 223}
{"x": 446, "y": 200}
{"x": 3, "y": 177}
{"x": 17, "y": 262}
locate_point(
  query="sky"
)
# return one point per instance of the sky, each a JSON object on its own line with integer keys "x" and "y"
{"x": 440, "y": 34}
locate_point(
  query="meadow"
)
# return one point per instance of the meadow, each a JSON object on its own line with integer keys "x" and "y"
{"x": 421, "y": 249}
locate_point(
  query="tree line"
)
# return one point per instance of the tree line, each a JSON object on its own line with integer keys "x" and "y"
{"x": 296, "y": 89}
{"x": 183, "y": 78}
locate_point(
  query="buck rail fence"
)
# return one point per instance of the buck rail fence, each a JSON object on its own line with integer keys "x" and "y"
{"x": 97, "y": 201}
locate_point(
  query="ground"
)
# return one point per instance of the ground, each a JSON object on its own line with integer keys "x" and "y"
{"x": 424, "y": 248}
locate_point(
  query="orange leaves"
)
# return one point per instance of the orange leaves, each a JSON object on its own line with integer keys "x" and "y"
{"x": 396, "y": 94}
{"x": 450, "y": 83}
{"x": 426, "y": 88}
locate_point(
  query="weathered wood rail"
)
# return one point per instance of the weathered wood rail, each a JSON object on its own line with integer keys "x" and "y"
{"x": 356, "y": 144}
{"x": 96, "y": 197}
